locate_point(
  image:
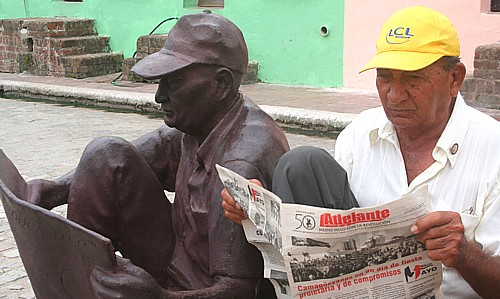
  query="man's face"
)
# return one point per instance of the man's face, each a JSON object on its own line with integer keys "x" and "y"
{"x": 186, "y": 97}
{"x": 419, "y": 100}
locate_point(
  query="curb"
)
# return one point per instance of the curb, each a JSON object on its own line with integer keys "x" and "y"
{"x": 294, "y": 118}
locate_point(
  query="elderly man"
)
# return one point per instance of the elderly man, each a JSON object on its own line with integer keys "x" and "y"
{"x": 424, "y": 134}
{"x": 186, "y": 249}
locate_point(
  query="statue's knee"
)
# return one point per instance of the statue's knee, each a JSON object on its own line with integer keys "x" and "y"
{"x": 105, "y": 150}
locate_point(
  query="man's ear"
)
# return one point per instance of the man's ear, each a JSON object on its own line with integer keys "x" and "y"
{"x": 225, "y": 81}
{"x": 458, "y": 75}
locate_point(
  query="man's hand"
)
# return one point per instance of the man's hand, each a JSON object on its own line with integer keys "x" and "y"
{"x": 232, "y": 210}
{"x": 125, "y": 281}
{"x": 443, "y": 236}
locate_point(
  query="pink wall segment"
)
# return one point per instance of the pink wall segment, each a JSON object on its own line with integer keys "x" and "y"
{"x": 363, "y": 20}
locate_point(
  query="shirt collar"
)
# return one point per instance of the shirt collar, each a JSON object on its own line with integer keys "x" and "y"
{"x": 448, "y": 144}
{"x": 382, "y": 129}
{"x": 454, "y": 133}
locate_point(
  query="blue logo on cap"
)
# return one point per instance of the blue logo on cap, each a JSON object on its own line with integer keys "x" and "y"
{"x": 399, "y": 35}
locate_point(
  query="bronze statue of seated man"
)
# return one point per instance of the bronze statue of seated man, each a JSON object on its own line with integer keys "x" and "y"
{"x": 184, "y": 249}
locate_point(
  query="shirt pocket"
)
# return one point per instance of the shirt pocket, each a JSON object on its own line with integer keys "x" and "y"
{"x": 470, "y": 223}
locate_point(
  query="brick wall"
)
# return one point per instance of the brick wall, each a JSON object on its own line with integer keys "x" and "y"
{"x": 42, "y": 46}
{"x": 483, "y": 88}
{"x": 146, "y": 44}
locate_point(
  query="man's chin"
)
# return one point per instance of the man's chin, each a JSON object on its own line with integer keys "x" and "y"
{"x": 402, "y": 123}
{"x": 169, "y": 122}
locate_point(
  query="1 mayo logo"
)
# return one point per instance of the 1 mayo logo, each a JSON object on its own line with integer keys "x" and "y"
{"x": 418, "y": 271}
{"x": 399, "y": 35}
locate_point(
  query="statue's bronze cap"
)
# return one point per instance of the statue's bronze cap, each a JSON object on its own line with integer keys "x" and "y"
{"x": 204, "y": 38}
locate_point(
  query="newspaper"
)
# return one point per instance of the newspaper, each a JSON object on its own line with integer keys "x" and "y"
{"x": 262, "y": 228}
{"x": 326, "y": 253}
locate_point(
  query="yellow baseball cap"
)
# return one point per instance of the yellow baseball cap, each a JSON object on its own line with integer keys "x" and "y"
{"x": 414, "y": 38}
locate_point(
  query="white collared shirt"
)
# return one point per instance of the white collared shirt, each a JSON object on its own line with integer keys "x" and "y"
{"x": 465, "y": 176}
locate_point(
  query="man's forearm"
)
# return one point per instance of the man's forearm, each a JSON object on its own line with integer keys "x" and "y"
{"x": 49, "y": 194}
{"x": 481, "y": 271}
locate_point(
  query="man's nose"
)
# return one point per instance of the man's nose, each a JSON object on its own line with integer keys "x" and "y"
{"x": 162, "y": 92}
{"x": 397, "y": 93}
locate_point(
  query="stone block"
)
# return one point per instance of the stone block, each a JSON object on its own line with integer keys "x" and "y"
{"x": 484, "y": 86}
{"x": 486, "y": 64}
{"x": 149, "y": 44}
{"x": 92, "y": 65}
{"x": 490, "y": 52}
{"x": 488, "y": 100}
{"x": 469, "y": 85}
{"x": 251, "y": 75}
{"x": 497, "y": 87}
{"x": 127, "y": 75}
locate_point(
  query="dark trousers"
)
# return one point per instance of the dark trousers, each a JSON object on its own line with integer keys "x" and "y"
{"x": 310, "y": 176}
{"x": 115, "y": 192}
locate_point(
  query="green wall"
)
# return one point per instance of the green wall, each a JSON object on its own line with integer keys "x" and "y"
{"x": 283, "y": 36}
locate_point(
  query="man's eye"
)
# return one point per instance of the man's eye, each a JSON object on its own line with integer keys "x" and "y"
{"x": 383, "y": 74}
{"x": 383, "y": 77}
{"x": 173, "y": 80}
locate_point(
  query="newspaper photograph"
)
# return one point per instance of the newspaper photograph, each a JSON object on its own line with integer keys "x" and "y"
{"x": 262, "y": 228}
{"x": 312, "y": 252}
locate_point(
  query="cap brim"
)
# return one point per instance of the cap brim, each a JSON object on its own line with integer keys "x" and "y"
{"x": 401, "y": 60}
{"x": 159, "y": 64}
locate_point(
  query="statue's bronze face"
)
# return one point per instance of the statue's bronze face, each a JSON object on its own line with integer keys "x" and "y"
{"x": 188, "y": 97}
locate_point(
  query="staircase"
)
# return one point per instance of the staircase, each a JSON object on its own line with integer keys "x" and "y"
{"x": 61, "y": 47}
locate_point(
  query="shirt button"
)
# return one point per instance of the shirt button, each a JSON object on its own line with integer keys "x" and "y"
{"x": 454, "y": 149}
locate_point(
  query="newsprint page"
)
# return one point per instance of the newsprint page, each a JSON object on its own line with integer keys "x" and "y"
{"x": 314, "y": 252}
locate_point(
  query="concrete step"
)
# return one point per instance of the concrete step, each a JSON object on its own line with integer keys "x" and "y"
{"x": 92, "y": 65}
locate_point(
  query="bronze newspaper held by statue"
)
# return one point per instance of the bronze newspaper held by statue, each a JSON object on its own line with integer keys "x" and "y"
{"x": 58, "y": 254}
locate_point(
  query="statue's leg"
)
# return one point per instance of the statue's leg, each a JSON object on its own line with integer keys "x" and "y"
{"x": 115, "y": 193}
{"x": 310, "y": 176}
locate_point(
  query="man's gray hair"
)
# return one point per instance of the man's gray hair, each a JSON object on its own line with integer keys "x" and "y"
{"x": 449, "y": 62}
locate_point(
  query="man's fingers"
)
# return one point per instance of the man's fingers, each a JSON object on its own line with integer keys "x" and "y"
{"x": 228, "y": 199}
{"x": 448, "y": 256}
{"x": 442, "y": 241}
{"x": 256, "y": 182}
{"x": 232, "y": 213}
{"x": 443, "y": 236}
{"x": 438, "y": 219}
{"x": 232, "y": 210}
{"x": 233, "y": 217}
{"x": 101, "y": 288}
